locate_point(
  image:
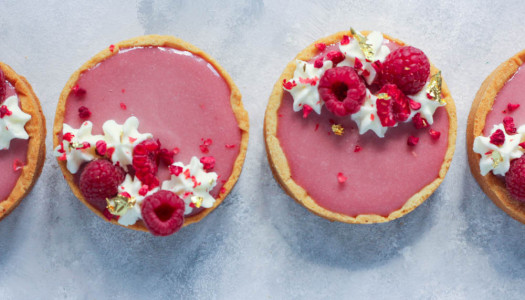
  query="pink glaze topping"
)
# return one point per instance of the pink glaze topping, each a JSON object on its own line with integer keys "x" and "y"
{"x": 512, "y": 92}
{"x": 178, "y": 97}
{"x": 382, "y": 173}
{"x": 17, "y": 152}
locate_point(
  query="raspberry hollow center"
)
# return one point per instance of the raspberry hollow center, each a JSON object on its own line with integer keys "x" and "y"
{"x": 340, "y": 90}
{"x": 164, "y": 212}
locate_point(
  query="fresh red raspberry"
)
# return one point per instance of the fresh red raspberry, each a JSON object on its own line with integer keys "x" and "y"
{"x": 100, "y": 180}
{"x": 342, "y": 90}
{"x": 515, "y": 179}
{"x": 408, "y": 68}
{"x": 146, "y": 157}
{"x": 3, "y": 86}
{"x": 163, "y": 213}
{"x": 393, "y": 110}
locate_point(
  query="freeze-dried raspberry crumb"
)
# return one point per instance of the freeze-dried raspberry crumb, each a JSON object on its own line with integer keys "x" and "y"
{"x": 163, "y": 213}
{"x": 111, "y": 47}
{"x": 341, "y": 178}
{"x": 83, "y": 112}
{"x": 434, "y": 134}
{"x": 78, "y": 91}
{"x": 335, "y": 56}
{"x": 166, "y": 156}
{"x": 4, "y": 111}
{"x": 17, "y": 165}
{"x": 357, "y": 148}
{"x": 342, "y": 91}
{"x": 289, "y": 84}
{"x": 101, "y": 147}
{"x": 230, "y": 146}
{"x": 412, "y": 140}
{"x": 123, "y": 106}
{"x": 512, "y": 107}
{"x": 419, "y": 122}
{"x": 413, "y": 104}
{"x": 320, "y": 46}
{"x": 175, "y": 170}
{"x": 307, "y": 109}
{"x": 408, "y": 68}
{"x": 100, "y": 180}
{"x": 497, "y": 138}
{"x": 345, "y": 40}
{"x": 319, "y": 62}
{"x": 508, "y": 124}
{"x": 208, "y": 162}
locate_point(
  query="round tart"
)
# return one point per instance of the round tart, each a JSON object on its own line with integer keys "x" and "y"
{"x": 360, "y": 128}
{"x": 151, "y": 134}
{"x": 495, "y": 134}
{"x": 22, "y": 139}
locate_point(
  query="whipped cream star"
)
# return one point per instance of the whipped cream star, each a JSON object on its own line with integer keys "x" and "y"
{"x": 12, "y": 122}
{"x": 366, "y": 118}
{"x": 193, "y": 184}
{"x": 132, "y": 186}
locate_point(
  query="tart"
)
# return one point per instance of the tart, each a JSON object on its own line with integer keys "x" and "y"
{"x": 163, "y": 125}
{"x": 22, "y": 139}
{"x": 353, "y": 135}
{"x": 495, "y": 134}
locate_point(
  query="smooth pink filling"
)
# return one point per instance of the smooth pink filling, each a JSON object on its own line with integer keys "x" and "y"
{"x": 179, "y": 98}
{"x": 382, "y": 176}
{"x": 17, "y": 151}
{"x": 512, "y": 92}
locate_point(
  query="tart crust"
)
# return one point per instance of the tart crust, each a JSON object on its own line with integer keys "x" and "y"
{"x": 281, "y": 169}
{"x": 36, "y": 151}
{"x": 157, "y": 41}
{"x": 493, "y": 186}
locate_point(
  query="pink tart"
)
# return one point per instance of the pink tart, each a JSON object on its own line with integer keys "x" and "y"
{"x": 360, "y": 128}
{"x": 151, "y": 134}
{"x": 22, "y": 139}
{"x": 496, "y": 136}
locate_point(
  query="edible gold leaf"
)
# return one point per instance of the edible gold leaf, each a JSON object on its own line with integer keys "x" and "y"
{"x": 197, "y": 201}
{"x": 434, "y": 88}
{"x": 383, "y": 96}
{"x": 338, "y": 129}
{"x": 496, "y": 158}
{"x": 365, "y": 47}
{"x": 120, "y": 204}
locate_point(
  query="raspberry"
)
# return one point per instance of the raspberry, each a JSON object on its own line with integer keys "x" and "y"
{"x": 508, "y": 123}
{"x": 146, "y": 157}
{"x": 163, "y": 213}
{"x": 515, "y": 179}
{"x": 412, "y": 140}
{"x": 83, "y": 112}
{"x": 419, "y": 122}
{"x": 335, "y": 56}
{"x": 3, "y": 87}
{"x": 166, "y": 156}
{"x": 512, "y": 107}
{"x": 342, "y": 90}
{"x": 497, "y": 138}
{"x": 393, "y": 110}
{"x": 100, "y": 180}
{"x": 208, "y": 162}
{"x": 408, "y": 68}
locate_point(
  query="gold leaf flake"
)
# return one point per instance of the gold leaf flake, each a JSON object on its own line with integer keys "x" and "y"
{"x": 120, "y": 204}
{"x": 197, "y": 201}
{"x": 496, "y": 159}
{"x": 338, "y": 129}
{"x": 366, "y": 48}
{"x": 434, "y": 88}
{"x": 383, "y": 96}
